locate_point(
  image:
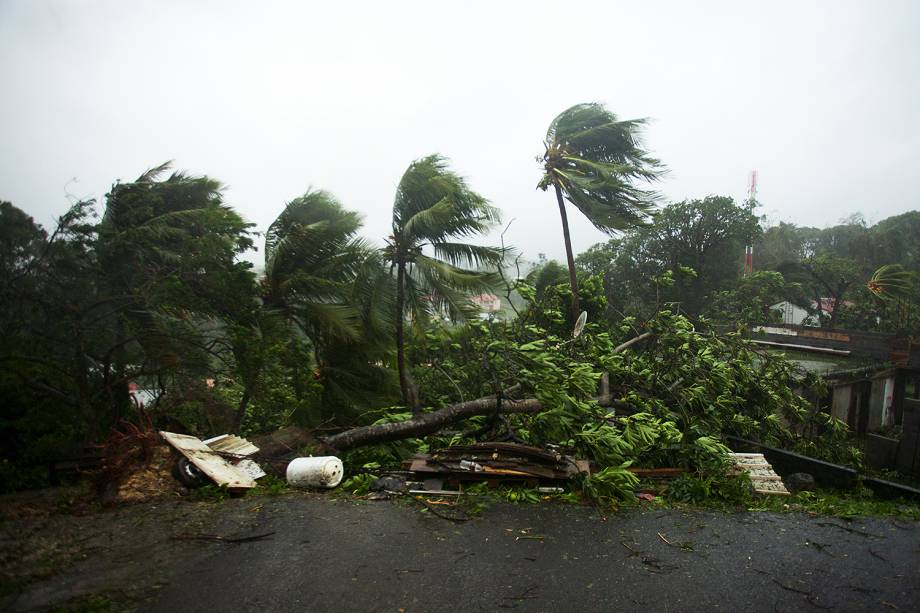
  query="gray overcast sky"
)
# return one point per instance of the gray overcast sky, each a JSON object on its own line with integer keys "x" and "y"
{"x": 272, "y": 97}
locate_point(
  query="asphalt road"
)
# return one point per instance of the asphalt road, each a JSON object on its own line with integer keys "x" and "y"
{"x": 339, "y": 555}
{"x": 328, "y": 556}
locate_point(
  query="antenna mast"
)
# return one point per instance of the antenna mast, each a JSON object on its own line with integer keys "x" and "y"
{"x": 751, "y": 203}
{"x": 752, "y": 188}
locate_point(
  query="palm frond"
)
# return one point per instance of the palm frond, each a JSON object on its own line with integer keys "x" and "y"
{"x": 598, "y": 160}
{"x": 152, "y": 174}
{"x": 332, "y": 319}
{"x": 433, "y": 203}
{"x": 463, "y": 254}
{"x": 890, "y": 282}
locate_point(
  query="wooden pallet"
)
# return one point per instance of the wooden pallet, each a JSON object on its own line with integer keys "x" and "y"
{"x": 765, "y": 480}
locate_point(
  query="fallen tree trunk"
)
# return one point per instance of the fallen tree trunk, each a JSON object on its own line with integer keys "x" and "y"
{"x": 427, "y": 423}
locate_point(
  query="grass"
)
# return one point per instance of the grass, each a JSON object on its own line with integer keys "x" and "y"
{"x": 840, "y": 504}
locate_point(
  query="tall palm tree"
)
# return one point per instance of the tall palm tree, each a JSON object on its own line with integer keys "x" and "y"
{"x": 433, "y": 211}
{"x": 594, "y": 160}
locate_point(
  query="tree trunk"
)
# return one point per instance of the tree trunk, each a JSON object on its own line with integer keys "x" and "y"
{"x": 406, "y": 385}
{"x": 429, "y": 423}
{"x": 573, "y": 280}
{"x": 241, "y": 408}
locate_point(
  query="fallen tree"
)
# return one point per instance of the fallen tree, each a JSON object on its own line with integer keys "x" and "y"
{"x": 429, "y": 423}
{"x": 675, "y": 399}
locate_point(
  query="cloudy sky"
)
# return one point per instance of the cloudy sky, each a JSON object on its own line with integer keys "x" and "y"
{"x": 272, "y": 97}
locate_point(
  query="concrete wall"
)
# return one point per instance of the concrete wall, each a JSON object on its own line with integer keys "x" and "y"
{"x": 840, "y": 403}
{"x": 908, "y": 459}
{"x": 875, "y": 405}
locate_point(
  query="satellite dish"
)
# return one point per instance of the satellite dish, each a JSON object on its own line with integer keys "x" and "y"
{"x": 580, "y": 324}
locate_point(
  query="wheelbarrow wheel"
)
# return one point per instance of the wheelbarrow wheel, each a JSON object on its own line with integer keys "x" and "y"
{"x": 188, "y": 474}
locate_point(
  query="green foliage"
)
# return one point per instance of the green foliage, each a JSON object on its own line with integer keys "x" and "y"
{"x": 360, "y": 484}
{"x": 272, "y": 485}
{"x": 156, "y": 293}
{"x": 209, "y": 493}
{"x": 610, "y": 485}
{"x": 520, "y": 495}
{"x": 691, "y": 250}
{"x": 435, "y": 207}
{"x": 749, "y": 302}
{"x": 549, "y": 274}
{"x": 140, "y": 297}
{"x": 311, "y": 258}
{"x": 717, "y": 490}
{"x": 674, "y": 398}
{"x": 597, "y": 162}
{"x": 334, "y": 289}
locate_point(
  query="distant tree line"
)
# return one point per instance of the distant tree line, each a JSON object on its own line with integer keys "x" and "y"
{"x": 690, "y": 258}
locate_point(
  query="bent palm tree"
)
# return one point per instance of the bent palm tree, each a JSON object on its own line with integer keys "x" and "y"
{"x": 311, "y": 258}
{"x": 166, "y": 252}
{"x": 594, "y": 160}
{"x": 434, "y": 208}
{"x": 319, "y": 275}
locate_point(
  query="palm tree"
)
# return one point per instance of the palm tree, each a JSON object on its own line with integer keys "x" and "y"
{"x": 594, "y": 161}
{"x": 167, "y": 255}
{"x": 433, "y": 209}
{"x": 311, "y": 258}
{"x": 335, "y": 288}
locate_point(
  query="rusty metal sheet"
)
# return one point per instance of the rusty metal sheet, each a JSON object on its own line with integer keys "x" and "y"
{"x": 209, "y": 462}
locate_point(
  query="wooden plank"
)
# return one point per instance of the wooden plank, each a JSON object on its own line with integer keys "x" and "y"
{"x": 506, "y": 471}
{"x": 763, "y": 478}
{"x": 207, "y": 461}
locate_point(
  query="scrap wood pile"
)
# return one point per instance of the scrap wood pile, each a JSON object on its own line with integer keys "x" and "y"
{"x": 497, "y": 462}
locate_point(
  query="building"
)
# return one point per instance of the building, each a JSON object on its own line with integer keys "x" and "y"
{"x": 488, "y": 304}
{"x": 873, "y": 384}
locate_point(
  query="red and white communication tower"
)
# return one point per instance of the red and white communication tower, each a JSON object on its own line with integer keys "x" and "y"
{"x": 752, "y": 186}
{"x": 752, "y": 202}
